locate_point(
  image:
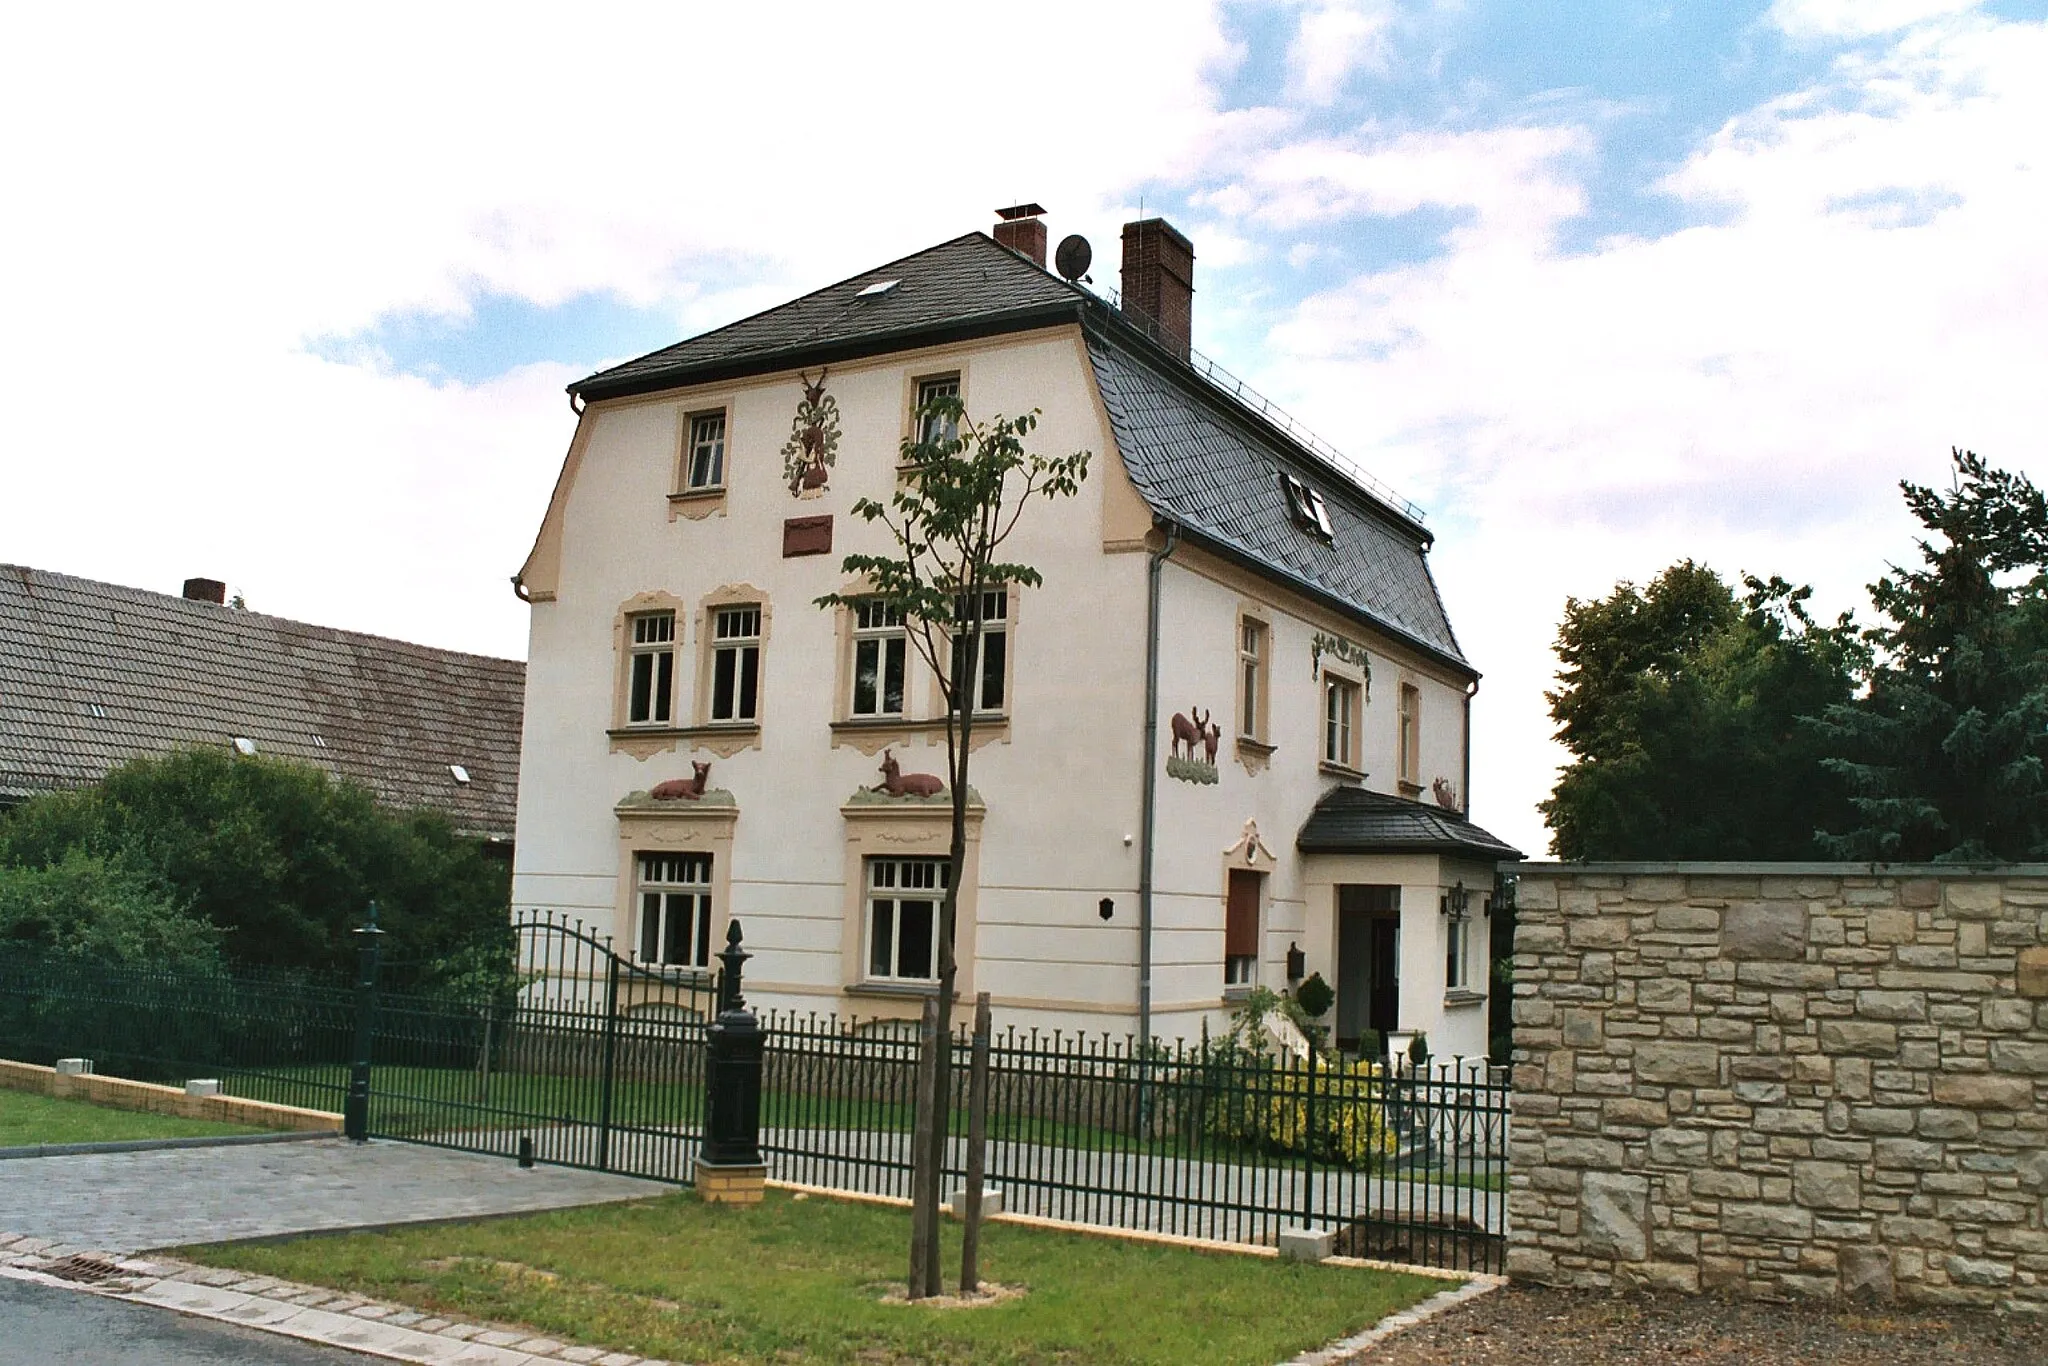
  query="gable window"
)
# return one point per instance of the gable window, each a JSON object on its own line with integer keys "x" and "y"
{"x": 1241, "y": 929}
{"x": 651, "y": 669}
{"x": 674, "y": 894}
{"x": 1411, "y": 735}
{"x": 935, "y": 427}
{"x": 905, "y": 898}
{"x": 704, "y": 466}
{"x": 879, "y": 649}
{"x": 1340, "y": 721}
{"x": 1305, "y": 505}
{"x": 989, "y": 683}
{"x": 735, "y": 663}
{"x": 1251, "y": 672}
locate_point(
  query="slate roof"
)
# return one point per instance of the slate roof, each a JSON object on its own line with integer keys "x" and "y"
{"x": 1198, "y": 456}
{"x": 1352, "y": 820}
{"x": 94, "y": 674}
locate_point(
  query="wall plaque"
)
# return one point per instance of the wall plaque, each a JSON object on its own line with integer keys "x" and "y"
{"x": 806, "y": 536}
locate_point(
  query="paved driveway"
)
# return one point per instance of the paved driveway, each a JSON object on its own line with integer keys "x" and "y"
{"x": 132, "y": 1202}
{"x": 45, "y": 1324}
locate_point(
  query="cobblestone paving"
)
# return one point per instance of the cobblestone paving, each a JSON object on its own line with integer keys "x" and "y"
{"x": 129, "y": 1202}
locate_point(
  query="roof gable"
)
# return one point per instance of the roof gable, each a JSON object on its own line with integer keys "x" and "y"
{"x": 95, "y": 674}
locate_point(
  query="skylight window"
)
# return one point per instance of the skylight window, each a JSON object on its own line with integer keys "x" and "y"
{"x": 878, "y": 287}
{"x": 460, "y": 774}
{"x": 1306, "y": 507}
{"x": 244, "y": 746}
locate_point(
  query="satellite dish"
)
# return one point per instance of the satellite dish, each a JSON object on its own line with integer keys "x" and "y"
{"x": 1073, "y": 257}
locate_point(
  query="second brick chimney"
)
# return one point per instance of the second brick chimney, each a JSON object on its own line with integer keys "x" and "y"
{"x": 1159, "y": 282}
{"x": 206, "y": 590}
{"x": 1022, "y": 230}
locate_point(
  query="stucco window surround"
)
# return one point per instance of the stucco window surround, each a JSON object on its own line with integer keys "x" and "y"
{"x": 700, "y": 475}
{"x": 646, "y": 826}
{"x": 653, "y": 734}
{"x": 896, "y": 828}
{"x": 1408, "y": 739}
{"x": 1252, "y": 707}
{"x": 1340, "y": 722}
{"x": 726, "y": 736}
{"x": 923, "y": 719}
{"x": 918, "y": 382}
{"x": 1249, "y": 862}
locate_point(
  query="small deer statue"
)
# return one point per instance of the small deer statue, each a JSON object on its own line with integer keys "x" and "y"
{"x": 1187, "y": 734}
{"x": 685, "y": 789}
{"x": 1211, "y": 735}
{"x": 897, "y": 783}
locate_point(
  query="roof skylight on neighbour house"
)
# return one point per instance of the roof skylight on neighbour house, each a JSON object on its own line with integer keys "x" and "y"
{"x": 1306, "y": 507}
{"x": 878, "y": 287}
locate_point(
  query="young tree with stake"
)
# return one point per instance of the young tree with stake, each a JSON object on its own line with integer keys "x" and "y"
{"x": 962, "y": 486}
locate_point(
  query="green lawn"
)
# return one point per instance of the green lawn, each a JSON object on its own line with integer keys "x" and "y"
{"x": 27, "y": 1119}
{"x": 803, "y": 1280}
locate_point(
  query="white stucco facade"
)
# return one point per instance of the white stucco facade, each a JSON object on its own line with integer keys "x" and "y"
{"x": 1060, "y": 827}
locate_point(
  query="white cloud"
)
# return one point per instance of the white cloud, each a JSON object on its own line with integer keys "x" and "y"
{"x": 1333, "y": 41}
{"x": 1859, "y": 18}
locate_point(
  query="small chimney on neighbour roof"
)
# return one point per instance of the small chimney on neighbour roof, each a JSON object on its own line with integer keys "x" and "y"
{"x": 1022, "y": 230}
{"x": 1159, "y": 282}
{"x": 206, "y": 590}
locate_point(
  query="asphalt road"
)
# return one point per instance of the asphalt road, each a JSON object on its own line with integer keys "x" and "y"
{"x": 41, "y": 1324}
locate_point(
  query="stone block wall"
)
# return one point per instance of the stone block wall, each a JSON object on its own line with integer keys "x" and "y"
{"x": 1783, "y": 1080}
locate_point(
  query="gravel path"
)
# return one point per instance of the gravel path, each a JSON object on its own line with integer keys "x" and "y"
{"x": 1529, "y": 1327}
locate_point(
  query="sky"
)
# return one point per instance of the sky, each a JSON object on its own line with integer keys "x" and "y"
{"x": 289, "y": 298}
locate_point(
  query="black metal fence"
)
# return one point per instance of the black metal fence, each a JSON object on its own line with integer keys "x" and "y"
{"x": 585, "y": 1058}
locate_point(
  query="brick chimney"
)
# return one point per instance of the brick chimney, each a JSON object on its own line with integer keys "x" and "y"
{"x": 1023, "y": 231}
{"x": 206, "y": 590}
{"x": 1159, "y": 282}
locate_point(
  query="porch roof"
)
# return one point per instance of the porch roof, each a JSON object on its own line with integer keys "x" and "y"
{"x": 1352, "y": 820}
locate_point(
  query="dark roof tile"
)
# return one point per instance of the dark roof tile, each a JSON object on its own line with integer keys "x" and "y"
{"x": 1353, "y": 820}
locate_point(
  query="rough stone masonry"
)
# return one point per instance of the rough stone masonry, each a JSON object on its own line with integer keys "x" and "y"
{"x": 1783, "y": 1080}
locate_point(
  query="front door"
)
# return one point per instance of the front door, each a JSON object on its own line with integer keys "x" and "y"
{"x": 1368, "y": 965}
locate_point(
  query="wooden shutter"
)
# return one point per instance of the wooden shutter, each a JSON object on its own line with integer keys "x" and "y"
{"x": 1241, "y": 917}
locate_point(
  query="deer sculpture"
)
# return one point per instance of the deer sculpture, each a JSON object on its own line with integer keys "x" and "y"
{"x": 683, "y": 789}
{"x": 1211, "y": 734}
{"x": 897, "y": 783}
{"x": 1189, "y": 733}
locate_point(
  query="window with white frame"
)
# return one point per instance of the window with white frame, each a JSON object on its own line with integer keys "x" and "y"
{"x": 1241, "y": 928}
{"x": 935, "y": 427}
{"x": 1457, "y": 949}
{"x": 1411, "y": 734}
{"x": 735, "y": 663}
{"x": 1340, "y": 721}
{"x": 705, "y": 463}
{"x": 1251, "y": 664}
{"x": 674, "y": 896}
{"x": 905, "y": 898}
{"x": 880, "y": 647}
{"x": 651, "y": 668}
{"x": 990, "y": 675}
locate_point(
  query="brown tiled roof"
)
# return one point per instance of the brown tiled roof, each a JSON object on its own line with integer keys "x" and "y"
{"x": 94, "y": 674}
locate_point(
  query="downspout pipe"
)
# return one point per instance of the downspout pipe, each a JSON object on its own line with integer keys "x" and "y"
{"x": 1471, "y": 691}
{"x": 1150, "y": 786}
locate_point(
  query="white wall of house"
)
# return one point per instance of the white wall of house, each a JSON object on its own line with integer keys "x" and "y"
{"x": 1062, "y": 787}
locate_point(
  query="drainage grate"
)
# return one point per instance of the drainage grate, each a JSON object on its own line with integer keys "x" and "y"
{"x": 82, "y": 1267}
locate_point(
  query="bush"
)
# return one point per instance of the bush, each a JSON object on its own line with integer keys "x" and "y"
{"x": 280, "y": 858}
{"x": 86, "y": 908}
{"x": 1324, "y": 1107}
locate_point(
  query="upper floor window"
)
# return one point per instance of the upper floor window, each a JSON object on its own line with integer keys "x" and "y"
{"x": 674, "y": 894}
{"x": 1305, "y": 505}
{"x": 704, "y": 458}
{"x": 990, "y": 677}
{"x": 1251, "y": 668}
{"x": 1411, "y": 735}
{"x": 1340, "y": 721}
{"x": 735, "y": 663}
{"x": 935, "y": 427}
{"x": 905, "y": 898}
{"x": 651, "y": 669}
{"x": 879, "y": 650}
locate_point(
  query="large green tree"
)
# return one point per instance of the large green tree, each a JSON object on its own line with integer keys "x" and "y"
{"x": 1680, "y": 704}
{"x": 1946, "y": 753}
{"x": 277, "y": 858}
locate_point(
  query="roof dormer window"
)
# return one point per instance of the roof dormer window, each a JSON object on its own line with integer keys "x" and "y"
{"x": 1305, "y": 506}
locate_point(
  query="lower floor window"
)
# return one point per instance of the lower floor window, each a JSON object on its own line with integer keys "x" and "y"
{"x": 1239, "y": 969}
{"x": 1241, "y": 927}
{"x": 1457, "y": 955}
{"x": 675, "y": 909}
{"x": 905, "y": 898}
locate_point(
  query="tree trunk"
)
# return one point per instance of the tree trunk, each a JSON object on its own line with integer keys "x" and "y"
{"x": 924, "y": 1234}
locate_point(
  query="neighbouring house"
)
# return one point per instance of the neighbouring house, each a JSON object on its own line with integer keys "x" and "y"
{"x": 95, "y": 674}
{"x": 1223, "y": 745}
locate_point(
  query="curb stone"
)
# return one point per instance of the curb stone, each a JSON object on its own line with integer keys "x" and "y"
{"x": 308, "y": 1313}
{"x": 1351, "y": 1350}
{"x": 150, "y": 1145}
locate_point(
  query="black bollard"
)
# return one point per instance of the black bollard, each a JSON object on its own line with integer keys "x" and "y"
{"x": 355, "y": 1105}
{"x": 730, "y": 1169}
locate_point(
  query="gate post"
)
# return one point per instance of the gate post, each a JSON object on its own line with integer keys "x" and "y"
{"x": 729, "y": 1168}
{"x": 355, "y": 1110}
